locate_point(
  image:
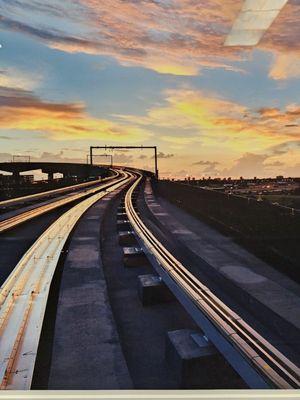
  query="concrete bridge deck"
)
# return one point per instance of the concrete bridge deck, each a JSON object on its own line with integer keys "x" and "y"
{"x": 50, "y": 168}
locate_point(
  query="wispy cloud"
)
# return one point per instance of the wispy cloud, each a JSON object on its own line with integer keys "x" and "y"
{"x": 164, "y": 155}
{"x": 178, "y": 37}
{"x": 261, "y": 165}
{"x": 204, "y": 117}
{"x": 16, "y": 78}
{"x": 285, "y": 65}
{"x": 283, "y": 40}
{"x": 208, "y": 167}
{"x": 206, "y": 163}
{"x": 22, "y": 110}
{"x": 249, "y": 164}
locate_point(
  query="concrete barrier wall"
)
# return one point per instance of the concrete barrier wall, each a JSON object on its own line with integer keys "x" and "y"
{"x": 271, "y": 232}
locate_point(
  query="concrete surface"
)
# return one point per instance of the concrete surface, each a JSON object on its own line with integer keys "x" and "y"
{"x": 197, "y": 364}
{"x": 86, "y": 349}
{"x": 141, "y": 329}
{"x": 272, "y": 296}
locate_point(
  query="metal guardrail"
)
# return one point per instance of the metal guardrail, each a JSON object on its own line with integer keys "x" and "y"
{"x": 268, "y": 367}
{"x": 11, "y": 222}
{"x": 291, "y": 210}
{"x": 23, "y": 296}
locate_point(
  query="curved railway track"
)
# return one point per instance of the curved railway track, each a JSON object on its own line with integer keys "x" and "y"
{"x": 23, "y": 296}
{"x": 273, "y": 366}
{"x": 22, "y": 217}
{"x": 23, "y": 299}
{"x": 30, "y": 197}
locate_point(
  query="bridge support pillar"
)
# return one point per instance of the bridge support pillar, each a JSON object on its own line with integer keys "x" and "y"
{"x": 50, "y": 176}
{"x": 16, "y": 177}
{"x": 66, "y": 175}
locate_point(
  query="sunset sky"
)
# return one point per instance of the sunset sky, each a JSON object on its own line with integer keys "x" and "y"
{"x": 75, "y": 73}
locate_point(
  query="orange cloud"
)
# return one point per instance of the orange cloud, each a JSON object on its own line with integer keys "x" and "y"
{"x": 283, "y": 35}
{"x": 20, "y": 109}
{"x": 285, "y": 66}
{"x": 269, "y": 112}
{"x": 178, "y": 37}
{"x": 283, "y": 40}
{"x": 207, "y": 118}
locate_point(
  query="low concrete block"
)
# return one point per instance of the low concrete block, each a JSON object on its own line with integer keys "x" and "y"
{"x": 121, "y": 216}
{"x": 152, "y": 290}
{"x": 123, "y": 225}
{"x": 134, "y": 257}
{"x": 127, "y": 238}
{"x": 197, "y": 364}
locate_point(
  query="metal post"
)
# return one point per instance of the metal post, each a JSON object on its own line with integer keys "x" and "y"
{"x": 126, "y": 147}
{"x": 91, "y": 155}
{"x": 155, "y": 160}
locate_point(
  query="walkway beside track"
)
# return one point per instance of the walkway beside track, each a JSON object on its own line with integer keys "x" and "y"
{"x": 264, "y": 290}
{"x": 86, "y": 349}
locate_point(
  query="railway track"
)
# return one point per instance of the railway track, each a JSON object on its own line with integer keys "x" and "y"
{"x": 274, "y": 368}
{"x": 35, "y": 196}
{"x": 22, "y": 217}
{"x": 23, "y": 296}
{"x": 23, "y": 299}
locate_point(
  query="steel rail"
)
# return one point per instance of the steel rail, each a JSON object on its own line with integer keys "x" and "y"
{"x": 273, "y": 365}
{"x": 18, "y": 219}
{"x": 34, "y": 196}
{"x": 23, "y": 296}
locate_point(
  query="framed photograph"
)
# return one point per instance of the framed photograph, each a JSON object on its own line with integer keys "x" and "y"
{"x": 149, "y": 199}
